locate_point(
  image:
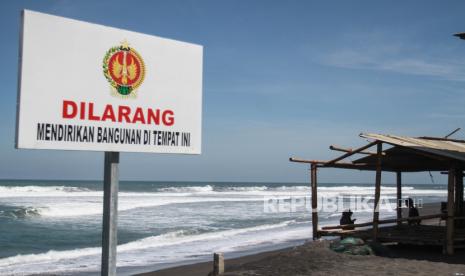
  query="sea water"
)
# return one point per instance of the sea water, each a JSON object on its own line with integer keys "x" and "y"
{"x": 55, "y": 226}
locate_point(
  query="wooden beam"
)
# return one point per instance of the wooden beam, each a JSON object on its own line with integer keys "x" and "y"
{"x": 459, "y": 195}
{"x": 345, "y": 165}
{"x": 352, "y": 153}
{"x": 452, "y": 133}
{"x": 450, "y": 213}
{"x": 379, "y": 149}
{"x": 448, "y": 173}
{"x": 372, "y": 167}
{"x": 442, "y": 139}
{"x": 360, "y": 166}
{"x": 341, "y": 165}
{"x": 313, "y": 180}
{"x": 399, "y": 196}
{"x": 336, "y": 148}
{"x": 299, "y": 160}
{"x": 386, "y": 221}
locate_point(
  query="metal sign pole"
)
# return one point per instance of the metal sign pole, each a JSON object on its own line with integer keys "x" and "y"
{"x": 110, "y": 213}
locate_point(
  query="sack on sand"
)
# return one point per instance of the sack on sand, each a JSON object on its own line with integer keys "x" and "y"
{"x": 337, "y": 247}
{"x": 352, "y": 241}
{"x": 352, "y": 246}
{"x": 359, "y": 250}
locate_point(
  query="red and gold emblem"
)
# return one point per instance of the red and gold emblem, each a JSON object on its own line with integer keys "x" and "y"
{"x": 124, "y": 69}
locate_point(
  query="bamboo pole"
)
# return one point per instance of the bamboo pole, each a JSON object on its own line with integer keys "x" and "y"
{"x": 450, "y": 213}
{"x": 379, "y": 148}
{"x": 399, "y": 196}
{"x": 341, "y": 165}
{"x": 447, "y": 172}
{"x": 299, "y": 160}
{"x": 351, "y": 153}
{"x": 458, "y": 192}
{"x": 452, "y": 133}
{"x": 442, "y": 139}
{"x": 313, "y": 176}
{"x": 386, "y": 221}
{"x": 350, "y": 150}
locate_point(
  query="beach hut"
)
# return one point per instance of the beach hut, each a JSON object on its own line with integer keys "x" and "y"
{"x": 400, "y": 154}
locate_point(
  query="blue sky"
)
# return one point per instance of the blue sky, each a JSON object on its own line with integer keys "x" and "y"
{"x": 281, "y": 79}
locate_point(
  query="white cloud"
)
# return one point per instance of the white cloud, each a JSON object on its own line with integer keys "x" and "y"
{"x": 394, "y": 54}
{"x": 446, "y": 116}
{"x": 414, "y": 66}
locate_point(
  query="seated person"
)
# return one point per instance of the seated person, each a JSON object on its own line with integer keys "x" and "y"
{"x": 347, "y": 219}
{"x": 412, "y": 212}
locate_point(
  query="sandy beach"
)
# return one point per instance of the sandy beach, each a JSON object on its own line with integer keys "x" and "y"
{"x": 315, "y": 258}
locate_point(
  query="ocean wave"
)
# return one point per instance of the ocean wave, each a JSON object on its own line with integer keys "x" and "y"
{"x": 187, "y": 189}
{"x": 42, "y": 191}
{"x": 244, "y": 189}
{"x": 84, "y": 208}
{"x": 63, "y": 201}
{"x": 72, "y": 260}
{"x": 230, "y": 189}
{"x": 21, "y": 212}
{"x": 183, "y": 236}
{"x": 298, "y": 190}
{"x": 68, "y": 191}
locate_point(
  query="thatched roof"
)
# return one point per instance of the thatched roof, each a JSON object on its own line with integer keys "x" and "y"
{"x": 407, "y": 154}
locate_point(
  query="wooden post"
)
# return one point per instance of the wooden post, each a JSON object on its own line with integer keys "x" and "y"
{"x": 459, "y": 193}
{"x": 218, "y": 264}
{"x": 110, "y": 213}
{"x": 313, "y": 176}
{"x": 450, "y": 213}
{"x": 379, "y": 149}
{"x": 399, "y": 196}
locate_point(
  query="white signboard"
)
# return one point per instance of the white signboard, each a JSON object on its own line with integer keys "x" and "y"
{"x": 84, "y": 86}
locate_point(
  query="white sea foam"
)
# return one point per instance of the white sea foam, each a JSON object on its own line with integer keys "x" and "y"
{"x": 188, "y": 189}
{"x": 44, "y": 191}
{"x": 53, "y": 191}
{"x": 83, "y": 208}
{"x": 142, "y": 252}
{"x": 63, "y": 201}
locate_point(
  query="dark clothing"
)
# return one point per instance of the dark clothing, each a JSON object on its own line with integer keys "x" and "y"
{"x": 347, "y": 219}
{"x": 412, "y": 212}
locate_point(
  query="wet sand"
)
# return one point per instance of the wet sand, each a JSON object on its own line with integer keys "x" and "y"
{"x": 315, "y": 258}
{"x": 203, "y": 268}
